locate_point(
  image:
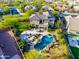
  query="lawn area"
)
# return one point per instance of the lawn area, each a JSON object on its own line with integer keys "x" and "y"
{"x": 75, "y": 52}
{"x": 60, "y": 52}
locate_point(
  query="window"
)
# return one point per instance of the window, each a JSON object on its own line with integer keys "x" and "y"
{"x": 41, "y": 21}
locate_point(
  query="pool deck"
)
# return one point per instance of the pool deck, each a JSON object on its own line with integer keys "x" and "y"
{"x": 44, "y": 33}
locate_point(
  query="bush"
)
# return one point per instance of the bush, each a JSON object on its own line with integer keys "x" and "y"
{"x": 21, "y": 44}
{"x": 6, "y": 10}
{"x": 58, "y": 24}
{"x": 2, "y": 26}
{"x": 33, "y": 54}
{"x": 1, "y": 13}
{"x": 55, "y": 12}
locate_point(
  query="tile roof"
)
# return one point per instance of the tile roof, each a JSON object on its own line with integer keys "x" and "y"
{"x": 8, "y": 44}
{"x": 74, "y": 24}
{"x": 38, "y": 16}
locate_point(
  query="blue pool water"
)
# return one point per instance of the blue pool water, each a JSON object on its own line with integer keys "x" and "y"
{"x": 44, "y": 42}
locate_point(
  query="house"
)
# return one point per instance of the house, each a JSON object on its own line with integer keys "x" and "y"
{"x": 35, "y": 8}
{"x": 76, "y": 8}
{"x": 67, "y": 18}
{"x": 46, "y": 7}
{"x": 11, "y": 1}
{"x": 28, "y": 0}
{"x": 26, "y": 8}
{"x": 51, "y": 18}
{"x": 73, "y": 30}
{"x": 8, "y": 46}
{"x": 72, "y": 24}
{"x": 49, "y": 1}
{"x": 31, "y": 7}
{"x": 13, "y": 10}
{"x": 40, "y": 21}
{"x": 73, "y": 1}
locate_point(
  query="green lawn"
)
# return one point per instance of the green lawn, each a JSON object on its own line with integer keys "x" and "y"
{"x": 75, "y": 52}
{"x": 60, "y": 52}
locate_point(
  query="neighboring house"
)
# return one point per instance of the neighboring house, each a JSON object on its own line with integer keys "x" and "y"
{"x": 72, "y": 24}
{"x": 71, "y": 14}
{"x": 72, "y": 1}
{"x": 26, "y": 8}
{"x": 14, "y": 10}
{"x": 76, "y": 8}
{"x": 67, "y": 18}
{"x": 35, "y": 8}
{"x": 28, "y": 0}
{"x": 46, "y": 7}
{"x": 11, "y": 1}
{"x": 8, "y": 46}
{"x": 49, "y": 1}
{"x": 31, "y": 7}
{"x": 39, "y": 20}
{"x": 51, "y": 18}
{"x": 72, "y": 29}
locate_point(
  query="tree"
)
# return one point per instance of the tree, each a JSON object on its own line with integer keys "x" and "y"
{"x": 54, "y": 4}
{"x": 21, "y": 44}
{"x": 32, "y": 54}
{"x": 10, "y": 21}
{"x": 72, "y": 11}
{"x": 6, "y": 10}
{"x": 18, "y": 24}
{"x": 28, "y": 13}
{"x": 58, "y": 24}
{"x": 2, "y": 26}
{"x": 55, "y": 12}
{"x": 1, "y": 13}
{"x": 1, "y": 1}
{"x": 24, "y": 26}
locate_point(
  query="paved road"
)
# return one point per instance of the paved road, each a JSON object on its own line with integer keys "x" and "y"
{"x": 8, "y": 45}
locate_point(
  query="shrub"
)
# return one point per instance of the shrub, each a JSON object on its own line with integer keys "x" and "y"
{"x": 6, "y": 10}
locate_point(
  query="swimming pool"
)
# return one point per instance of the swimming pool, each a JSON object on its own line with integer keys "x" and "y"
{"x": 44, "y": 42}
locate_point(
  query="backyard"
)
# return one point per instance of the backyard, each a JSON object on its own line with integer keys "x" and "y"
{"x": 57, "y": 51}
